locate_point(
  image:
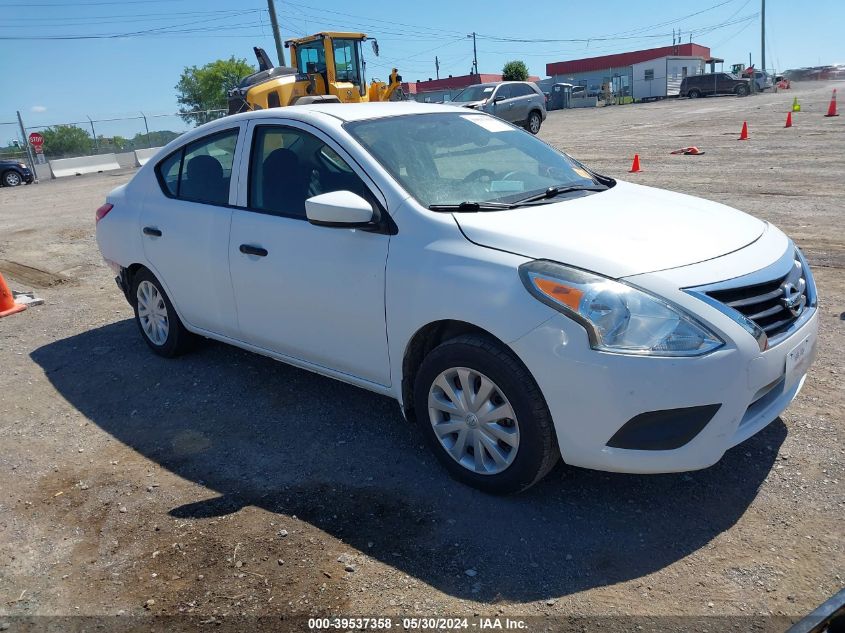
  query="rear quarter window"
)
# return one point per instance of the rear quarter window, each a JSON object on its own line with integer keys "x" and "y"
{"x": 168, "y": 173}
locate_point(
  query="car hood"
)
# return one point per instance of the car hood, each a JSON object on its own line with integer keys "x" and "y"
{"x": 627, "y": 230}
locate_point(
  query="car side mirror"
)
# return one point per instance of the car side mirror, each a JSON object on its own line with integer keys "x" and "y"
{"x": 498, "y": 98}
{"x": 339, "y": 209}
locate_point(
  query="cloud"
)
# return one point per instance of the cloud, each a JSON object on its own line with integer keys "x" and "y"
{"x": 38, "y": 108}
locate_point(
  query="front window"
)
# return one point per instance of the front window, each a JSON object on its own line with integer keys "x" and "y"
{"x": 289, "y": 165}
{"x": 474, "y": 93}
{"x": 450, "y": 158}
{"x": 346, "y": 61}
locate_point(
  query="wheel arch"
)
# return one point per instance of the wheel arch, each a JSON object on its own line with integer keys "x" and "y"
{"x": 133, "y": 269}
{"x": 426, "y": 339}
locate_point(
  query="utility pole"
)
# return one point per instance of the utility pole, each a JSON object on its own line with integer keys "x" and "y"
{"x": 25, "y": 141}
{"x": 146, "y": 127}
{"x": 437, "y": 66}
{"x": 474, "y": 54}
{"x": 94, "y": 134}
{"x": 274, "y": 22}
{"x": 763, "y": 36}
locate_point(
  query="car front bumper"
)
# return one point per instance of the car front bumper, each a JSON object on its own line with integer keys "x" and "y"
{"x": 592, "y": 395}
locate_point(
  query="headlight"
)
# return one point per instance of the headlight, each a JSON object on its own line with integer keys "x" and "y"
{"x": 618, "y": 317}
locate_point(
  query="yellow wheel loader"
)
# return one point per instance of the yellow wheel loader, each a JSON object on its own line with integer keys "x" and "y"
{"x": 327, "y": 67}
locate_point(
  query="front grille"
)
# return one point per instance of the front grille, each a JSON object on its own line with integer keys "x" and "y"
{"x": 773, "y": 305}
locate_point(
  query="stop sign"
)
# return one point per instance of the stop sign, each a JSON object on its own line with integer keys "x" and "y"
{"x": 36, "y": 140}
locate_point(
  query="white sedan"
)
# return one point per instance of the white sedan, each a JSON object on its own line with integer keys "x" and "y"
{"x": 518, "y": 305}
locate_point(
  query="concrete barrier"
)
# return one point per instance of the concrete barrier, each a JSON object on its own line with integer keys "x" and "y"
{"x": 143, "y": 155}
{"x": 583, "y": 102}
{"x": 83, "y": 165}
{"x": 126, "y": 160}
{"x": 42, "y": 171}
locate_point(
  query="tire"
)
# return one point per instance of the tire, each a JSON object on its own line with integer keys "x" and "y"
{"x": 534, "y": 122}
{"x": 166, "y": 336}
{"x": 741, "y": 91}
{"x": 12, "y": 178}
{"x": 531, "y": 450}
{"x": 694, "y": 94}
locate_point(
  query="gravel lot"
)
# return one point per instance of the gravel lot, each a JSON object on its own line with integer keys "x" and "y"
{"x": 225, "y": 484}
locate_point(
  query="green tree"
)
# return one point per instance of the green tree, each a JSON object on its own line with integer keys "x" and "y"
{"x": 515, "y": 71}
{"x": 66, "y": 140}
{"x": 205, "y": 88}
{"x": 153, "y": 139}
{"x": 119, "y": 142}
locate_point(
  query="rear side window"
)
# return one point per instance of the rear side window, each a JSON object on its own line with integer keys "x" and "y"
{"x": 202, "y": 170}
{"x": 522, "y": 90}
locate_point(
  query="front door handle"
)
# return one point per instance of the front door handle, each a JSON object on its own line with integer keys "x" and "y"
{"x": 248, "y": 249}
{"x": 148, "y": 230}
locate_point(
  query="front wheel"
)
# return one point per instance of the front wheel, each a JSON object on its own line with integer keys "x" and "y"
{"x": 534, "y": 122}
{"x": 741, "y": 91}
{"x": 156, "y": 318}
{"x": 484, "y": 416}
{"x": 694, "y": 94}
{"x": 12, "y": 178}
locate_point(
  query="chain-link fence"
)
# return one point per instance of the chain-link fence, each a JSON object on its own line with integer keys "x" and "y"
{"x": 100, "y": 135}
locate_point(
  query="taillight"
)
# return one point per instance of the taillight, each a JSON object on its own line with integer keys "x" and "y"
{"x": 103, "y": 211}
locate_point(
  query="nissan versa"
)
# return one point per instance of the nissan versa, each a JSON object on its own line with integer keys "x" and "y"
{"x": 518, "y": 305}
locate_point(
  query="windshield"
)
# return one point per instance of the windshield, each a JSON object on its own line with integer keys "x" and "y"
{"x": 450, "y": 158}
{"x": 474, "y": 93}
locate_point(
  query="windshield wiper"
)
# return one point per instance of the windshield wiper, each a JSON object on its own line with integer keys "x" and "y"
{"x": 469, "y": 205}
{"x": 551, "y": 192}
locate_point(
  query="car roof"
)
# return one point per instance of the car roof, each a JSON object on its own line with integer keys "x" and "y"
{"x": 351, "y": 111}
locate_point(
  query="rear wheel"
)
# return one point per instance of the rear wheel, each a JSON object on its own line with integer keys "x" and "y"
{"x": 156, "y": 318}
{"x": 534, "y": 122}
{"x": 12, "y": 178}
{"x": 741, "y": 91}
{"x": 484, "y": 416}
{"x": 694, "y": 94}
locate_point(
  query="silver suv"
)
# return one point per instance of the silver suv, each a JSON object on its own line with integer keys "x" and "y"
{"x": 520, "y": 102}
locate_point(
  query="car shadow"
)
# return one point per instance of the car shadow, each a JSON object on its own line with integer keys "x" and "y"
{"x": 258, "y": 432}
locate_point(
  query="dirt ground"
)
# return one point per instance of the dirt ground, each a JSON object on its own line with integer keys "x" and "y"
{"x": 224, "y": 484}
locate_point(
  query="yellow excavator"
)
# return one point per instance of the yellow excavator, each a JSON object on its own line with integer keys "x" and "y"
{"x": 327, "y": 67}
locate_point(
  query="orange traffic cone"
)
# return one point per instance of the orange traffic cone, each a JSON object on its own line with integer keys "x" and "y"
{"x": 743, "y": 136}
{"x": 7, "y": 300}
{"x": 831, "y": 109}
{"x": 788, "y": 119}
{"x": 635, "y": 166}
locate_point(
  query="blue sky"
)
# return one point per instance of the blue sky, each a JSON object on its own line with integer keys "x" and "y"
{"x": 56, "y": 80}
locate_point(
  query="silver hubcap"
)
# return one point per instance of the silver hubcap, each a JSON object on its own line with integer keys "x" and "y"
{"x": 152, "y": 312}
{"x": 13, "y": 179}
{"x": 535, "y": 123}
{"x": 473, "y": 420}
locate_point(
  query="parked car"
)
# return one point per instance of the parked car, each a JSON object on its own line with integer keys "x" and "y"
{"x": 517, "y": 304}
{"x": 763, "y": 80}
{"x": 579, "y": 92}
{"x": 14, "y": 173}
{"x": 694, "y": 86}
{"x": 520, "y": 102}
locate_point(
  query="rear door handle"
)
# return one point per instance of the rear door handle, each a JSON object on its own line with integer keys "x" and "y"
{"x": 148, "y": 230}
{"x": 248, "y": 249}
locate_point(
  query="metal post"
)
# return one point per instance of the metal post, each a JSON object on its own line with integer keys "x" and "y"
{"x": 147, "y": 128}
{"x": 28, "y": 148}
{"x": 274, "y": 22}
{"x": 94, "y": 134}
{"x": 474, "y": 54}
{"x": 763, "y": 36}
{"x": 437, "y": 66}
